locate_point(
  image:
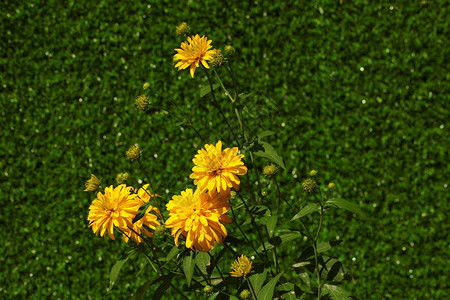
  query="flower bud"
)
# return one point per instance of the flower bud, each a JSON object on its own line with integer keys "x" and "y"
{"x": 217, "y": 58}
{"x": 331, "y": 186}
{"x": 146, "y": 85}
{"x": 309, "y": 185}
{"x": 313, "y": 173}
{"x": 264, "y": 194}
{"x": 232, "y": 195}
{"x": 142, "y": 102}
{"x": 134, "y": 152}
{"x": 182, "y": 29}
{"x": 121, "y": 177}
{"x": 208, "y": 289}
{"x": 269, "y": 170}
{"x": 159, "y": 230}
{"x": 92, "y": 184}
{"x": 229, "y": 49}
{"x": 245, "y": 294}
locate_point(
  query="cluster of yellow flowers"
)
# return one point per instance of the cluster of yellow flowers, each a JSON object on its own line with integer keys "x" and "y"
{"x": 198, "y": 216}
{"x": 117, "y": 207}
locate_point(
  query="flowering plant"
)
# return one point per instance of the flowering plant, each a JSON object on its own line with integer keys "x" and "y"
{"x": 225, "y": 237}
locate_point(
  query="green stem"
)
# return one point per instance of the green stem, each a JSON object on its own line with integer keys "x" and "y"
{"x": 252, "y": 218}
{"x": 179, "y": 292}
{"x": 217, "y": 266}
{"x": 245, "y": 236}
{"x": 216, "y": 104}
{"x": 279, "y": 194}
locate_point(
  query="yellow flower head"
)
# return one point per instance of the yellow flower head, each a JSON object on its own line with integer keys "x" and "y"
{"x": 149, "y": 220}
{"x": 216, "y": 169}
{"x": 92, "y": 184}
{"x": 199, "y": 218}
{"x": 117, "y": 207}
{"x": 241, "y": 267}
{"x": 181, "y": 29}
{"x": 269, "y": 170}
{"x": 193, "y": 52}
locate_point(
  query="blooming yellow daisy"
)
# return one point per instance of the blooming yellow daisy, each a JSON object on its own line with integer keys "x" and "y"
{"x": 241, "y": 267}
{"x": 192, "y": 52}
{"x": 116, "y": 207}
{"x": 199, "y": 218}
{"x": 217, "y": 169}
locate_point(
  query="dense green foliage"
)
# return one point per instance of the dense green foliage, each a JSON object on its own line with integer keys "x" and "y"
{"x": 358, "y": 91}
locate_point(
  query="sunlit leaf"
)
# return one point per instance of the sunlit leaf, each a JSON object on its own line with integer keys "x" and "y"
{"x": 188, "y": 267}
{"x": 335, "y": 292}
{"x": 207, "y": 89}
{"x": 266, "y": 292}
{"x": 347, "y": 205}
{"x": 114, "y": 274}
{"x": 202, "y": 259}
{"x": 306, "y": 210}
{"x": 269, "y": 152}
{"x": 257, "y": 280}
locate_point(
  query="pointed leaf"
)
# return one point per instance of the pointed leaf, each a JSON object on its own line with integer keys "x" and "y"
{"x": 270, "y": 153}
{"x": 336, "y": 292}
{"x": 115, "y": 270}
{"x": 347, "y": 205}
{"x": 257, "y": 280}
{"x": 263, "y": 134}
{"x": 266, "y": 292}
{"x": 173, "y": 252}
{"x": 167, "y": 279}
{"x": 270, "y": 222}
{"x": 306, "y": 210}
{"x": 213, "y": 296}
{"x": 188, "y": 267}
{"x": 202, "y": 260}
{"x": 207, "y": 89}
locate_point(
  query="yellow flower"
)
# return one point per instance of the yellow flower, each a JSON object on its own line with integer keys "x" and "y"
{"x": 241, "y": 267}
{"x": 149, "y": 220}
{"x": 217, "y": 169}
{"x": 199, "y": 218}
{"x": 193, "y": 52}
{"x": 269, "y": 170}
{"x": 92, "y": 184}
{"x": 144, "y": 196}
{"x": 117, "y": 207}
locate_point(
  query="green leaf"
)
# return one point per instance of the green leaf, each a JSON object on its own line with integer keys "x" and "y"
{"x": 347, "y": 205}
{"x": 270, "y": 153}
{"x": 335, "y": 292}
{"x": 188, "y": 267}
{"x": 265, "y": 133}
{"x": 282, "y": 239}
{"x": 213, "y": 296}
{"x": 140, "y": 293}
{"x": 321, "y": 247}
{"x": 207, "y": 89}
{"x": 167, "y": 279}
{"x": 114, "y": 274}
{"x": 173, "y": 252}
{"x": 257, "y": 280}
{"x": 202, "y": 260}
{"x": 141, "y": 212}
{"x": 266, "y": 292}
{"x": 270, "y": 222}
{"x": 306, "y": 210}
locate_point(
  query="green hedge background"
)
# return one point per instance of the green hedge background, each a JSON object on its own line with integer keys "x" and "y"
{"x": 358, "y": 90}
